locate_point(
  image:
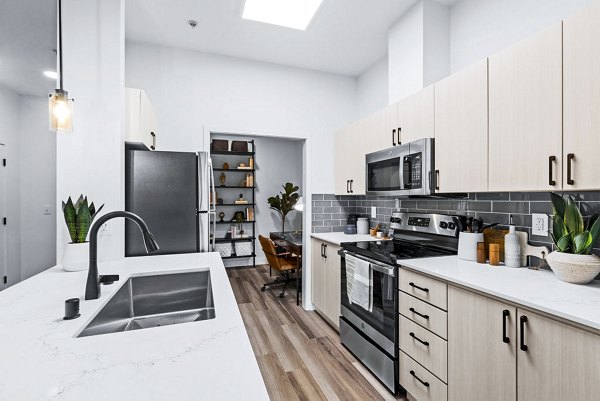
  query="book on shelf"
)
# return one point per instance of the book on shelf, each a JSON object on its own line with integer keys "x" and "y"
{"x": 241, "y": 202}
{"x": 250, "y": 214}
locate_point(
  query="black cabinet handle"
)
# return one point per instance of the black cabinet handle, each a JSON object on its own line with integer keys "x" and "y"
{"x": 570, "y": 158}
{"x": 325, "y": 251}
{"x": 437, "y": 180}
{"x": 522, "y": 321}
{"x": 413, "y": 374}
{"x": 153, "y": 135}
{"x": 425, "y": 343}
{"x": 399, "y": 130}
{"x": 393, "y": 137}
{"x": 551, "y": 160}
{"x": 351, "y": 185}
{"x": 418, "y": 288}
{"x": 347, "y": 186}
{"x": 417, "y": 313}
{"x": 322, "y": 250}
{"x": 505, "y": 315}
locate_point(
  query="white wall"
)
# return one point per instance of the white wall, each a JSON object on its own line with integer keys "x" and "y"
{"x": 479, "y": 28}
{"x": 90, "y": 160}
{"x": 9, "y": 136}
{"x": 405, "y": 53}
{"x": 191, "y": 90}
{"x": 37, "y": 158}
{"x": 436, "y": 42}
{"x": 372, "y": 89}
{"x": 278, "y": 161}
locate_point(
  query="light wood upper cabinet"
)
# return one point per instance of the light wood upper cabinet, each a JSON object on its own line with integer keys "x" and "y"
{"x": 461, "y": 130}
{"x": 349, "y": 155}
{"x": 416, "y": 115}
{"x": 525, "y": 114}
{"x": 326, "y": 276}
{"x": 481, "y": 365}
{"x": 140, "y": 118}
{"x": 561, "y": 361}
{"x": 381, "y": 129}
{"x": 581, "y": 135}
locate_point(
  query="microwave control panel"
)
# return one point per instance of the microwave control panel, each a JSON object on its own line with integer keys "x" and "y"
{"x": 413, "y": 166}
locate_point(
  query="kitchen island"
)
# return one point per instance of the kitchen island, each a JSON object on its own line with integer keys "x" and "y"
{"x": 41, "y": 359}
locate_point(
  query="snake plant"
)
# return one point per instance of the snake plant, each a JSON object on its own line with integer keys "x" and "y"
{"x": 79, "y": 218}
{"x": 571, "y": 232}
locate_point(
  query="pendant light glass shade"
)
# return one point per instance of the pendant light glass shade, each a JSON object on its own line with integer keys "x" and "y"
{"x": 60, "y": 111}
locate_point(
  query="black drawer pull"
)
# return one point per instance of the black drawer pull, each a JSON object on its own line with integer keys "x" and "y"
{"x": 425, "y": 343}
{"x": 417, "y": 313}
{"x": 412, "y": 372}
{"x": 505, "y": 314}
{"x": 522, "y": 321}
{"x": 419, "y": 288}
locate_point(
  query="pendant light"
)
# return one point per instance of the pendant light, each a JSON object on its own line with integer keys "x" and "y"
{"x": 60, "y": 107}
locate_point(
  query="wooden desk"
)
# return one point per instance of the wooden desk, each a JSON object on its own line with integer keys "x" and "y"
{"x": 291, "y": 242}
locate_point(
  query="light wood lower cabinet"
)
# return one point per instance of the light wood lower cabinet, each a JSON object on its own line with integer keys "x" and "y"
{"x": 419, "y": 382}
{"x": 481, "y": 365}
{"x": 499, "y": 352}
{"x": 326, "y": 278}
{"x": 561, "y": 362}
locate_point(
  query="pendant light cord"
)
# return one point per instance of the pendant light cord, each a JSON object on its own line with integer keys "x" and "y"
{"x": 60, "y": 55}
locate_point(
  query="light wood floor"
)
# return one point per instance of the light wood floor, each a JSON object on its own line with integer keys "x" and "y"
{"x": 298, "y": 353}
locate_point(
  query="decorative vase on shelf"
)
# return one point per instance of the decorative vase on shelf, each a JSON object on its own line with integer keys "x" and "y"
{"x": 512, "y": 248}
{"x": 76, "y": 256}
{"x": 574, "y": 268}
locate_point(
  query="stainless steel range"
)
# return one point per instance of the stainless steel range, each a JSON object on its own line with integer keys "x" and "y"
{"x": 369, "y": 321}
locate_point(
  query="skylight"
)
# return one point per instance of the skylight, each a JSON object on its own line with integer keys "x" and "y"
{"x": 295, "y": 14}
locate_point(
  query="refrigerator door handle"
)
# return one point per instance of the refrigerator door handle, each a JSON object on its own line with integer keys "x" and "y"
{"x": 212, "y": 206}
{"x": 213, "y": 215}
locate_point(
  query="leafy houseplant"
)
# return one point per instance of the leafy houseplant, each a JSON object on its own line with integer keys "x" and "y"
{"x": 574, "y": 238}
{"x": 284, "y": 202}
{"x": 78, "y": 218}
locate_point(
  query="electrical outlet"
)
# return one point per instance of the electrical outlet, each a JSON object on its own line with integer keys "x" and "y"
{"x": 104, "y": 229}
{"x": 539, "y": 224}
{"x": 373, "y": 212}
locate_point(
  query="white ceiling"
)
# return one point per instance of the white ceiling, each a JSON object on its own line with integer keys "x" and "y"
{"x": 345, "y": 37}
{"x": 27, "y": 43}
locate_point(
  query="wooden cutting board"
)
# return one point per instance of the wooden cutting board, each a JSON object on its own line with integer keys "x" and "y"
{"x": 494, "y": 236}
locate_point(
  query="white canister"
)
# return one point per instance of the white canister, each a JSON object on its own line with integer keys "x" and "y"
{"x": 512, "y": 248}
{"x": 362, "y": 226}
{"x": 467, "y": 245}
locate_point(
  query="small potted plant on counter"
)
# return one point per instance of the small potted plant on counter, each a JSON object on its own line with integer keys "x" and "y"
{"x": 574, "y": 237}
{"x": 79, "y": 218}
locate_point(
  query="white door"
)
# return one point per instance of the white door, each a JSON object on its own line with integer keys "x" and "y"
{"x": 3, "y": 179}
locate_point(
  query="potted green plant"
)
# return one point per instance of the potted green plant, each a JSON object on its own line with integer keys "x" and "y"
{"x": 284, "y": 202}
{"x": 78, "y": 218}
{"x": 574, "y": 238}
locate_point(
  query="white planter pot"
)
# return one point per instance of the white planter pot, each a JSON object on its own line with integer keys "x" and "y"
{"x": 576, "y": 269}
{"x": 467, "y": 245}
{"x": 76, "y": 257}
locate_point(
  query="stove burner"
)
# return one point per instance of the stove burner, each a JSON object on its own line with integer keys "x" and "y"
{"x": 391, "y": 251}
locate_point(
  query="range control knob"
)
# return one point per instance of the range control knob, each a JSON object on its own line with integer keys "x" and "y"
{"x": 451, "y": 226}
{"x": 443, "y": 224}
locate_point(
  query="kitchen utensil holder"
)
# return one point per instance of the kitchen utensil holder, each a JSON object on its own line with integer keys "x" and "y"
{"x": 467, "y": 245}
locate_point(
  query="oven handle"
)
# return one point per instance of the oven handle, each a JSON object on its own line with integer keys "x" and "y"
{"x": 375, "y": 265}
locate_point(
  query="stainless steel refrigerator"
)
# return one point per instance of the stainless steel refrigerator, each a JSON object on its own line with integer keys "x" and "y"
{"x": 171, "y": 192}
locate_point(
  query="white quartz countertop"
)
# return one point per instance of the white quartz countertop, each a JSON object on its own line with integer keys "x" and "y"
{"x": 339, "y": 238}
{"x": 536, "y": 289}
{"x": 40, "y": 359}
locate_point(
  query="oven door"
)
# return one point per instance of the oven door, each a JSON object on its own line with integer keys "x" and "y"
{"x": 380, "y": 324}
{"x": 384, "y": 171}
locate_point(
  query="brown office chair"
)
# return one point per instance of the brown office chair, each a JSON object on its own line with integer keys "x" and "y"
{"x": 284, "y": 263}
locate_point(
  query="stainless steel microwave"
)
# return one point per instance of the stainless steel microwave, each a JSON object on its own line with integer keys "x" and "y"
{"x": 404, "y": 170}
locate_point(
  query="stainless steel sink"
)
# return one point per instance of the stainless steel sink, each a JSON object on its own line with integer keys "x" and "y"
{"x": 153, "y": 301}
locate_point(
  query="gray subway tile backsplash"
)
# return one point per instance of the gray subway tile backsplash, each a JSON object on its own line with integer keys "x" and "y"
{"x": 330, "y": 211}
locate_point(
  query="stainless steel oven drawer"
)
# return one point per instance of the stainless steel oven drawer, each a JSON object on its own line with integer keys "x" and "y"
{"x": 382, "y": 365}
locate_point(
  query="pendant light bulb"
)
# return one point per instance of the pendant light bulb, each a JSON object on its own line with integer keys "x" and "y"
{"x": 60, "y": 111}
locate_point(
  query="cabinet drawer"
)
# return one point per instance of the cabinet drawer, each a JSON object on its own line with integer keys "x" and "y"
{"x": 424, "y": 347}
{"x": 429, "y": 290}
{"x": 433, "y": 390}
{"x": 428, "y": 316}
